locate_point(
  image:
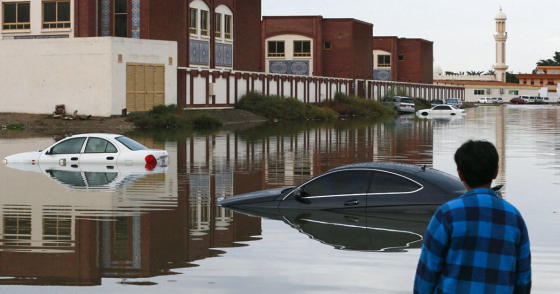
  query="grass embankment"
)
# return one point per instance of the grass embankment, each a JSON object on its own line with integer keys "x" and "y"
{"x": 292, "y": 109}
{"x": 172, "y": 117}
{"x": 14, "y": 126}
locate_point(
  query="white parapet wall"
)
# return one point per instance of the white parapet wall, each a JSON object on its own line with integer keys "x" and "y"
{"x": 84, "y": 74}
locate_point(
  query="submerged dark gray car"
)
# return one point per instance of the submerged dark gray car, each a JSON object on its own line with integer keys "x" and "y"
{"x": 364, "y": 187}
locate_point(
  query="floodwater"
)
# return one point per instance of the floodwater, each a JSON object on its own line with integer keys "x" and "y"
{"x": 120, "y": 231}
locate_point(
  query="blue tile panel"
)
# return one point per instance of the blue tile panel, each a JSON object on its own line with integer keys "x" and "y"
{"x": 224, "y": 55}
{"x": 105, "y": 17}
{"x": 289, "y": 67}
{"x": 200, "y": 52}
{"x": 382, "y": 74}
{"x": 136, "y": 19}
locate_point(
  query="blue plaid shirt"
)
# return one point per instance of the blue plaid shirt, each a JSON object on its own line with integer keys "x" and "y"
{"x": 475, "y": 244}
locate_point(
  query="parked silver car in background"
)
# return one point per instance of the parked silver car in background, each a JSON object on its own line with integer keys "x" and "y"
{"x": 454, "y": 102}
{"x": 400, "y": 104}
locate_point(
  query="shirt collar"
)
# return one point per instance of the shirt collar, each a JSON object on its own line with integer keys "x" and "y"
{"x": 480, "y": 191}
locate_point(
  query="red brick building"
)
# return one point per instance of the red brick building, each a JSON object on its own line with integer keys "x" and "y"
{"x": 316, "y": 46}
{"x": 403, "y": 60}
{"x": 207, "y": 31}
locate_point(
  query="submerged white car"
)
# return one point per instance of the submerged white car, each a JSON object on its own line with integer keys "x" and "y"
{"x": 106, "y": 149}
{"x": 444, "y": 110}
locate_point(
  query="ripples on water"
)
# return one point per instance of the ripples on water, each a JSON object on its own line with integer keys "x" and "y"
{"x": 150, "y": 230}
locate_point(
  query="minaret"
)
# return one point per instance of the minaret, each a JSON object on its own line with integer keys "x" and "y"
{"x": 500, "y": 67}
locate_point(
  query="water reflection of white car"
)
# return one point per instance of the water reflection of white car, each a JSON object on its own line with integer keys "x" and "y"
{"x": 441, "y": 110}
{"x": 105, "y": 149}
{"x": 91, "y": 176}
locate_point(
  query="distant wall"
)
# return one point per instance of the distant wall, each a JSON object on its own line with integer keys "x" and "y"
{"x": 214, "y": 88}
{"x": 83, "y": 73}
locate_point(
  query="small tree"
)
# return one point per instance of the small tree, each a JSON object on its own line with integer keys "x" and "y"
{"x": 555, "y": 61}
{"x": 474, "y": 73}
{"x": 511, "y": 78}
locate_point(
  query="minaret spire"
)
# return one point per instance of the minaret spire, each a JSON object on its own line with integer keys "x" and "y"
{"x": 501, "y": 37}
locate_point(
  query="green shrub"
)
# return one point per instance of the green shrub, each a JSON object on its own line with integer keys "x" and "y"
{"x": 171, "y": 117}
{"x": 421, "y": 103}
{"x": 207, "y": 121}
{"x": 356, "y": 106}
{"x": 282, "y": 108}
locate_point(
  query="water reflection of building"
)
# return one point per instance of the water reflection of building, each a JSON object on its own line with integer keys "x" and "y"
{"x": 289, "y": 157}
{"x": 53, "y": 235}
{"x": 160, "y": 223}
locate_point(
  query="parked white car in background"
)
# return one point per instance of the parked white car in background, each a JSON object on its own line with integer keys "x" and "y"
{"x": 484, "y": 100}
{"x": 107, "y": 149}
{"x": 444, "y": 110}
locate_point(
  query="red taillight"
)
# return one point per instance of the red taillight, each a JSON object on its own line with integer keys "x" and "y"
{"x": 151, "y": 162}
{"x": 403, "y": 105}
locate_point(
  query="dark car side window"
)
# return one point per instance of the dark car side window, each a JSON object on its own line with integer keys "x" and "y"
{"x": 339, "y": 183}
{"x": 389, "y": 183}
{"x": 442, "y": 108}
{"x": 73, "y": 179}
{"x": 95, "y": 179}
{"x": 98, "y": 145}
{"x": 70, "y": 146}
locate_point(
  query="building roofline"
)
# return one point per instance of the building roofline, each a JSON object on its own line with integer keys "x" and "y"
{"x": 404, "y": 38}
{"x": 542, "y": 76}
{"x": 316, "y": 16}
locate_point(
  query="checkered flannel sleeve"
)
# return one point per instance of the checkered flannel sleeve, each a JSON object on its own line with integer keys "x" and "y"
{"x": 433, "y": 254}
{"x": 523, "y": 266}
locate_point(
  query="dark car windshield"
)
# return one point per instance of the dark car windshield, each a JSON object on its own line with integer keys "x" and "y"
{"x": 131, "y": 144}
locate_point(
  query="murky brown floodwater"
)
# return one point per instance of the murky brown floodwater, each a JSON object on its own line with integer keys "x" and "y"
{"x": 123, "y": 231}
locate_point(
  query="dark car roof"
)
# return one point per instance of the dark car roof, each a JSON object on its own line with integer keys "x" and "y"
{"x": 436, "y": 177}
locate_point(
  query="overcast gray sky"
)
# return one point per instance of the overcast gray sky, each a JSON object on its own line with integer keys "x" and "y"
{"x": 462, "y": 30}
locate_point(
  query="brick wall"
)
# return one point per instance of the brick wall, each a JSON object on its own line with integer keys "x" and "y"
{"x": 351, "y": 53}
{"x": 337, "y": 62}
{"x": 84, "y": 18}
{"x": 246, "y": 34}
{"x": 166, "y": 21}
{"x": 417, "y": 66}
{"x": 362, "y": 51}
{"x": 389, "y": 44}
{"x": 308, "y": 26}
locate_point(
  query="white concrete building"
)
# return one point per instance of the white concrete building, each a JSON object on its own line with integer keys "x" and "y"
{"x": 475, "y": 90}
{"x": 37, "y": 19}
{"x": 97, "y": 76}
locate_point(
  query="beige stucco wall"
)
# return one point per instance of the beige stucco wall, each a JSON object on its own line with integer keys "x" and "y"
{"x": 82, "y": 73}
{"x": 495, "y": 92}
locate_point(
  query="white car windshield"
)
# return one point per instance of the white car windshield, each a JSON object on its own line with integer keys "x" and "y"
{"x": 131, "y": 144}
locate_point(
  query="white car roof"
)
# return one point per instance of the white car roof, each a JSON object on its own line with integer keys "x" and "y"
{"x": 101, "y": 135}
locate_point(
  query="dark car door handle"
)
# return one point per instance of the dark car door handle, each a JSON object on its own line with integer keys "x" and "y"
{"x": 74, "y": 158}
{"x": 110, "y": 158}
{"x": 351, "y": 203}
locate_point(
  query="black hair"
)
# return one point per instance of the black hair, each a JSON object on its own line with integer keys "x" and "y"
{"x": 477, "y": 161}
